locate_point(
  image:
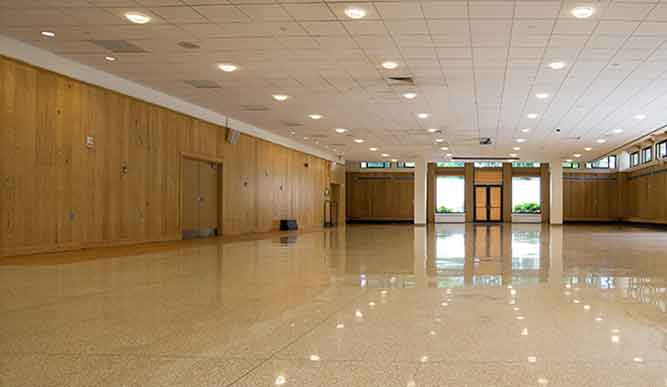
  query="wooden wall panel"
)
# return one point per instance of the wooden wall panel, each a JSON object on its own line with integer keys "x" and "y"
{"x": 380, "y": 196}
{"x": 590, "y": 196}
{"x": 507, "y": 192}
{"x": 644, "y": 194}
{"x": 58, "y": 194}
{"x": 545, "y": 191}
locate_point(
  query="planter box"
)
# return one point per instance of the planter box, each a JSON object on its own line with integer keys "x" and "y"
{"x": 526, "y": 218}
{"x": 450, "y": 218}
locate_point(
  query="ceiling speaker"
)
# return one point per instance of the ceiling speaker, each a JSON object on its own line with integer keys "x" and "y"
{"x": 233, "y": 136}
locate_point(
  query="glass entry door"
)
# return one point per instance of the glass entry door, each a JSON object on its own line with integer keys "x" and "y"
{"x": 488, "y": 203}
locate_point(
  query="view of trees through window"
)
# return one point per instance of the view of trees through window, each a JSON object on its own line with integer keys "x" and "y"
{"x": 450, "y": 194}
{"x": 526, "y": 195}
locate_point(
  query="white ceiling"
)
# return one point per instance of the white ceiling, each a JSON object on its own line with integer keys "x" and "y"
{"x": 477, "y": 66}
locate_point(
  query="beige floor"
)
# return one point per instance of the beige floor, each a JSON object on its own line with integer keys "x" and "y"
{"x": 386, "y": 305}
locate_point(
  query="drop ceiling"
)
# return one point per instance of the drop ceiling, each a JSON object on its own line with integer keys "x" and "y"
{"x": 476, "y": 67}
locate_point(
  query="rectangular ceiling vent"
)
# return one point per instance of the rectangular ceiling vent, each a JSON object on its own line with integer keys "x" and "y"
{"x": 254, "y": 108}
{"x": 401, "y": 81}
{"x": 202, "y": 84}
{"x": 119, "y": 46}
{"x": 291, "y": 124}
{"x": 485, "y": 141}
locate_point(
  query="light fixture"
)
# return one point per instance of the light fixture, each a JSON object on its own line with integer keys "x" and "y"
{"x": 525, "y": 130}
{"x": 557, "y": 65}
{"x": 394, "y": 160}
{"x": 385, "y": 155}
{"x": 355, "y": 12}
{"x": 520, "y": 140}
{"x": 110, "y": 58}
{"x": 638, "y": 359}
{"x": 389, "y": 65}
{"x": 542, "y": 95}
{"x": 358, "y": 140}
{"x": 617, "y": 131}
{"x": 531, "y": 116}
{"x": 449, "y": 155}
{"x": 318, "y": 117}
{"x": 280, "y": 97}
{"x": 306, "y": 138}
{"x": 314, "y": 357}
{"x": 280, "y": 380}
{"x": 439, "y": 140}
{"x": 640, "y": 117}
{"x": 137, "y": 17}
{"x": 340, "y": 326}
{"x": 568, "y": 160}
{"x": 228, "y": 67}
{"x": 339, "y": 130}
{"x": 588, "y": 149}
{"x": 423, "y": 115}
{"x": 48, "y": 34}
{"x": 373, "y": 149}
{"x": 513, "y": 155}
{"x": 577, "y": 155}
{"x": 444, "y": 148}
{"x": 582, "y": 12}
{"x": 410, "y": 95}
{"x": 432, "y": 130}
{"x": 600, "y": 140}
{"x": 516, "y": 148}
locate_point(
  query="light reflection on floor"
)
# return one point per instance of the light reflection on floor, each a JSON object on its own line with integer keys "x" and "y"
{"x": 365, "y": 305}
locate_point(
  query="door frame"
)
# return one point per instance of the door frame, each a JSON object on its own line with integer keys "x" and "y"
{"x": 208, "y": 159}
{"x": 488, "y": 202}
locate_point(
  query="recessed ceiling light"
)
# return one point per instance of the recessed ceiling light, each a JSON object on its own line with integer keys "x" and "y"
{"x": 557, "y": 65}
{"x": 516, "y": 148}
{"x": 444, "y": 148}
{"x": 525, "y": 130}
{"x": 389, "y": 65}
{"x": 600, "y": 140}
{"x": 410, "y": 95}
{"x": 341, "y": 130}
{"x": 568, "y": 160}
{"x": 292, "y": 133}
{"x": 513, "y": 154}
{"x": 49, "y": 34}
{"x": 582, "y": 12}
{"x": 394, "y": 160}
{"x": 542, "y": 95}
{"x": 432, "y": 130}
{"x": 317, "y": 117}
{"x": 588, "y": 149}
{"x": 640, "y": 117}
{"x": 280, "y": 380}
{"x": 355, "y": 12}
{"x": 423, "y": 115}
{"x": 358, "y": 140}
{"x": 228, "y": 67}
{"x": 439, "y": 140}
{"x": 110, "y": 58}
{"x": 449, "y": 155}
{"x": 532, "y": 116}
{"x": 280, "y": 97}
{"x": 520, "y": 140}
{"x": 385, "y": 155}
{"x": 617, "y": 131}
{"x": 305, "y": 138}
{"x": 137, "y": 17}
{"x": 373, "y": 149}
{"x": 577, "y": 155}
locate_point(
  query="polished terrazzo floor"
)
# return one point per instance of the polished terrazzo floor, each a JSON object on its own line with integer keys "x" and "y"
{"x": 365, "y": 305}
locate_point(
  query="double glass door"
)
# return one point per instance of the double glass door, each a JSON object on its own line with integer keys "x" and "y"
{"x": 488, "y": 203}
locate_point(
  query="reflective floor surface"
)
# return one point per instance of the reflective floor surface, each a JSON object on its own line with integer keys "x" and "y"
{"x": 365, "y": 305}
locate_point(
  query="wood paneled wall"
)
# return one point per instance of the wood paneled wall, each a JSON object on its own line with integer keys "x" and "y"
{"x": 380, "y": 196}
{"x": 57, "y": 194}
{"x": 644, "y": 194}
{"x": 590, "y": 196}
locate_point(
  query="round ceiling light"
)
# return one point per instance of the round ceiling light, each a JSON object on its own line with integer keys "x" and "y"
{"x": 110, "y": 58}
{"x": 385, "y": 155}
{"x": 228, "y": 67}
{"x": 280, "y": 97}
{"x": 516, "y": 148}
{"x": 48, "y": 34}
{"x": 439, "y": 140}
{"x": 423, "y": 115}
{"x": 513, "y": 154}
{"x": 431, "y": 130}
{"x": 525, "y": 130}
{"x": 341, "y": 130}
{"x": 444, "y": 148}
{"x": 389, "y": 65}
{"x": 532, "y": 116}
{"x": 582, "y": 12}
{"x": 410, "y": 95}
{"x": 577, "y": 155}
{"x": 373, "y": 149}
{"x": 600, "y": 140}
{"x": 557, "y": 65}
{"x": 358, "y": 140}
{"x": 355, "y": 12}
{"x": 640, "y": 117}
{"x": 542, "y": 95}
{"x": 316, "y": 117}
{"x": 137, "y": 17}
{"x": 520, "y": 140}
{"x": 588, "y": 149}
{"x": 617, "y": 131}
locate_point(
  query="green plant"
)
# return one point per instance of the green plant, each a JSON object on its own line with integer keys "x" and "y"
{"x": 527, "y": 208}
{"x": 444, "y": 210}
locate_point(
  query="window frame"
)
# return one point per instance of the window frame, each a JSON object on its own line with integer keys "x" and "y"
{"x": 539, "y": 179}
{"x": 648, "y": 149}
{"x": 436, "y": 194}
{"x": 365, "y": 164}
{"x": 632, "y": 155}
{"x": 662, "y": 143}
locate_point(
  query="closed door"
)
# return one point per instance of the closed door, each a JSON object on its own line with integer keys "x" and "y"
{"x": 201, "y": 199}
{"x": 488, "y": 203}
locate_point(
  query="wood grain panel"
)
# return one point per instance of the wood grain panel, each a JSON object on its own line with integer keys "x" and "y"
{"x": 590, "y": 196}
{"x": 58, "y": 194}
{"x": 380, "y": 196}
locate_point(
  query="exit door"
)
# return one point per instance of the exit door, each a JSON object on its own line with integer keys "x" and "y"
{"x": 488, "y": 203}
{"x": 201, "y": 198}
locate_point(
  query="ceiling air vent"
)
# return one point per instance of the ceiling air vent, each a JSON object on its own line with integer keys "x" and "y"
{"x": 189, "y": 45}
{"x": 254, "y": 108}
{"x": 119, "y": 46}
{"x": 401, "y": 81}
{"x": 203, "y": 84}
{"x": 485, "y": 141}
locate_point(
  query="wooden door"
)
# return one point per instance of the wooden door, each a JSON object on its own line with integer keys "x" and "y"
{"x": 208, "y": 198}
{"x": 481, "y": 200}
{"x": 495, "y": 204}
{"x": 190, "y": 208}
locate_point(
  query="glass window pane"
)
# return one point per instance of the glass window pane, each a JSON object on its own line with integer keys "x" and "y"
{"x": 445, "y": 164}
{"x": 450, "y": 194}
{"x": 526, "y": 195}
{"x": 612, "y": 162}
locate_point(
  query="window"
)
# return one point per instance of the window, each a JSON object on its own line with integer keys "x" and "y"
{"x": 375, "y": 164}
{"x": 612, "y": 162}
{"x": 604, "y": 163}
{"x": 526, "y": 195}
{"x": 525, "y": 164}
{"x": 634, "y": 159}
{"x": 450, "y": 194}
{"x": 647, "y": 154}
{"x": 571, "y": 165}
{"x": 405, "y": 164}
{"x": 488, "y": 164}
{"x": 450, "y": 164}
{"x": 661, "y": 150}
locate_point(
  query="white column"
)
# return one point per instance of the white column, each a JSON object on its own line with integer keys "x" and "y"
{"x": 556, "y": 194}
{"x": 555, "y": 256}
{"x": 421, "y": 257}
{"x": 420, "y": 191}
